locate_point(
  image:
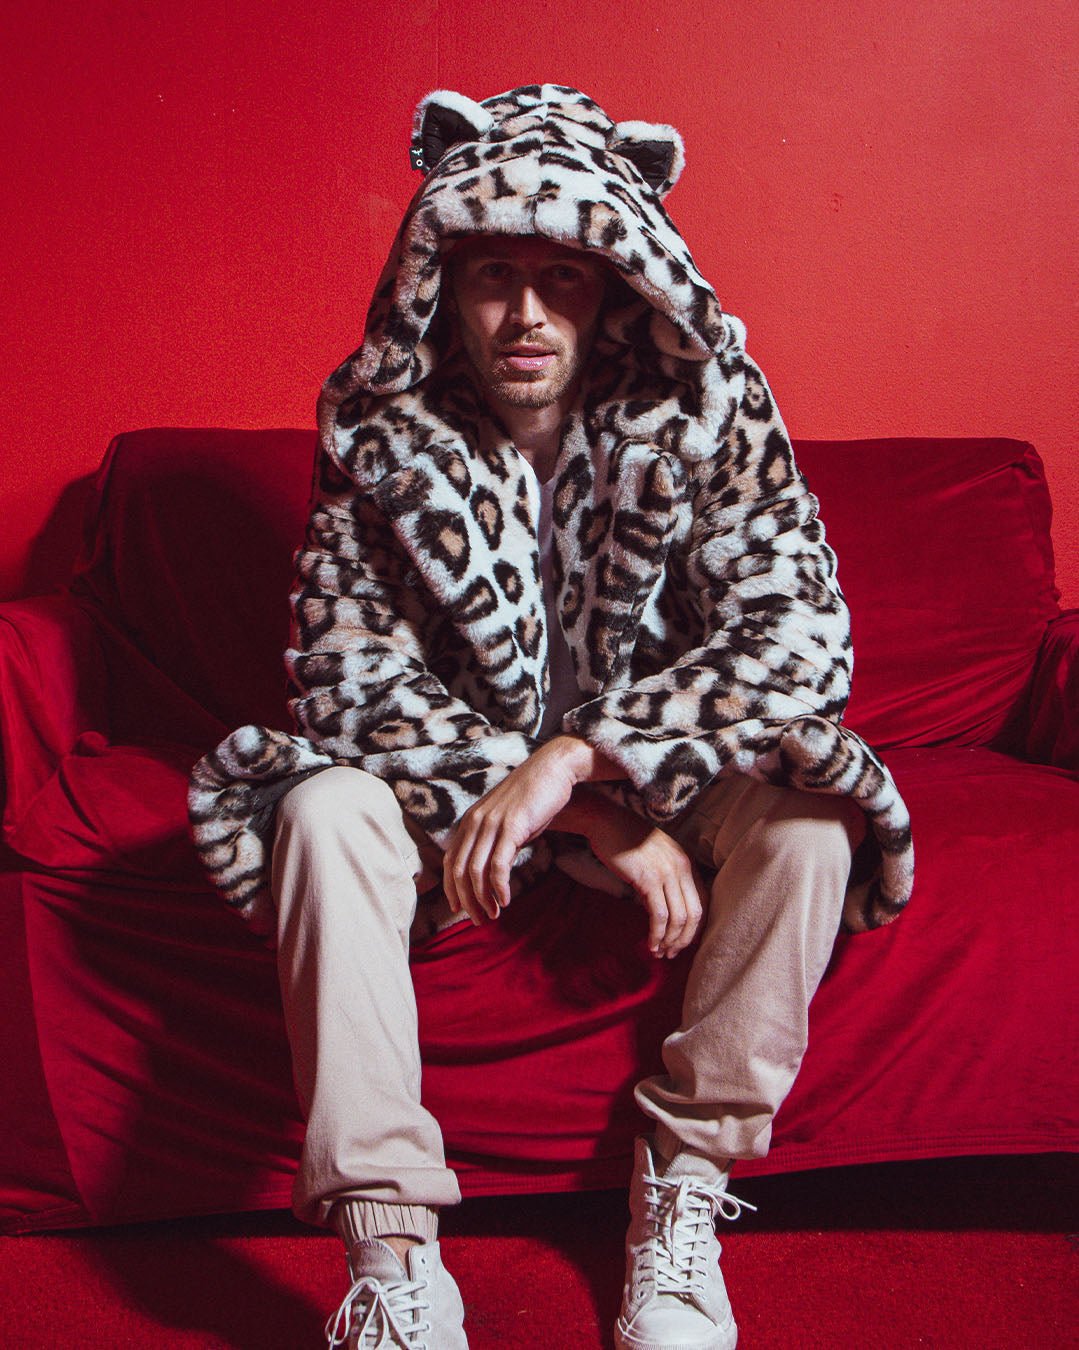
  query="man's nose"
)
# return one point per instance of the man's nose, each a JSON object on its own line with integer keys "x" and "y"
{"x": 528, "y": 309}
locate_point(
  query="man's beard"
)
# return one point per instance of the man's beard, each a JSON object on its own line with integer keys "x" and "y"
{"x": 522, "y": 388}
{"x": 526, "y": 390}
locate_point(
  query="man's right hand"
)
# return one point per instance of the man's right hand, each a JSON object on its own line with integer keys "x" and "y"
{"x": 477, "y": 863}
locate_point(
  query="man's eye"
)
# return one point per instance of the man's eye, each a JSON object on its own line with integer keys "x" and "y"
{"x": 494, "y": 271}
{"x": 568, "y": 275}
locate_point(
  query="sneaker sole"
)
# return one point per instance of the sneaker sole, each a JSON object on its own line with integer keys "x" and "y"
{"x": 726, "y": 1338}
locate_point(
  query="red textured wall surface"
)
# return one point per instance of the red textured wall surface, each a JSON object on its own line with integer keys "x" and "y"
{"x": 202, "y": 195}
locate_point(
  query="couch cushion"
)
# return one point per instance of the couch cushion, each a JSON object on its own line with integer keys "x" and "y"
{"x": 945, "y": 559}
{"x": 114, "y": 809}
{"x": 954, "y": 1030}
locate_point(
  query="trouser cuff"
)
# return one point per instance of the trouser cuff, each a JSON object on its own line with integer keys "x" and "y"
{"x": 668, "y": 1145}
{"x": 355, "y": 1220}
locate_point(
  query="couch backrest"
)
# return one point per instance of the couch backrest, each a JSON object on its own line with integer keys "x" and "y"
{"x": 194, "y": 542}
{"x": 946, "y": 561}
{"x": 943, "y": 548}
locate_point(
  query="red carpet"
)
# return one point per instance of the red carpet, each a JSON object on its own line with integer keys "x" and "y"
{"x": 970, "y": 1252}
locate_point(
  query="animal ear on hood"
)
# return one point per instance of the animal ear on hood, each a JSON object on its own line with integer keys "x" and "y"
{"x": 444, "y": 119}
{"x": 655, "y": 150}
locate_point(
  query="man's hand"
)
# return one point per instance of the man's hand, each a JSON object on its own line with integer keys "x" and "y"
{"x": 540, "y": 794}
{"x": 653, "y": 864}
{"x": 476, "y": 868}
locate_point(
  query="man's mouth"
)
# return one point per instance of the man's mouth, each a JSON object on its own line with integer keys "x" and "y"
{"x": 530, "y": 359}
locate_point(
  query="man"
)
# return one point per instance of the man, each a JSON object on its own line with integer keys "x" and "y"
{"x": 562, "y": 590}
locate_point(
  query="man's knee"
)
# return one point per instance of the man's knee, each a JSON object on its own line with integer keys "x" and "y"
{"x": 784, "y": 866}
{"x": 348, "y": 819}
{"x": 813, "y": 825}
{"x": 341, "y": 846}
{"x": 750, "y": 817}
{"x": 340, "y": 798}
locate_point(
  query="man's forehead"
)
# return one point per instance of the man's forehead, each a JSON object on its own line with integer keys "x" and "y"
{"x": 530, "y": 247}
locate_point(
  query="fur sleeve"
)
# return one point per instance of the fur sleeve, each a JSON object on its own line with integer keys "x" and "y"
{"x": 763, "y": 691}
{"x": 364, "y": 690}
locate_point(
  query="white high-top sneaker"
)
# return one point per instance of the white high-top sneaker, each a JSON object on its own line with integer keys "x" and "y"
{"x": 675, "y": 1298}
{"x": 418, "y": 1308}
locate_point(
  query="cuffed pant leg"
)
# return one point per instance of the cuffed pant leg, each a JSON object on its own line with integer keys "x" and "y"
{"x": 343, "y": 881}
{"x": 776, "y": 903}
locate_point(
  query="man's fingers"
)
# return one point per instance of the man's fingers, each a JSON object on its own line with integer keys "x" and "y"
{"x": 467, "y": 870}
{"x": 455, "y": 880}
{"x": 460, "y": 900}
{"x": 698, "y": 901}
{"x": 478, "y": 869}
{"x": 675, "y": 907}
{"x": 657, "y": 918}
{"x": 502, "y": 856}
{"x": 471, "y": 899}
{"x": 676, "y": 917}
{"x": 692, "y": 909}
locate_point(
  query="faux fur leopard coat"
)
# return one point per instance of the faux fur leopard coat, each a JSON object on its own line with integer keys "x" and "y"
{"x": 695, "y": 587}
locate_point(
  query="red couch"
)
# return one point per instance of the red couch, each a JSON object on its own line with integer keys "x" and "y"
{"x": 146, "y": 1067}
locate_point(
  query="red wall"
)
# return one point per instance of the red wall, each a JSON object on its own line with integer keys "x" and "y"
{"x": 203, "y": 193}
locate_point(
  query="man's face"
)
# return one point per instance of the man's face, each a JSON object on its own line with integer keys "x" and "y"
{"x": 527, "y": 311}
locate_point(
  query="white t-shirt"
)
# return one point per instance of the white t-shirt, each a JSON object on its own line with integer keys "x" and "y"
{"x": 580, "y": 863}
{"x": 565, "y": 692}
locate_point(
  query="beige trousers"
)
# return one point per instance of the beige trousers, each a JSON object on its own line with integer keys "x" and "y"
{"x": 345, "y": 873}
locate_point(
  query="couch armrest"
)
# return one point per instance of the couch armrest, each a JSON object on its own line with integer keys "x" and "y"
{"x": 1052, "y": 720}
{"x": 52, "y": 690}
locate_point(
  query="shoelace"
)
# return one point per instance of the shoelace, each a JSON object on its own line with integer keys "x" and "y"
{"x": 384, "y": 1308}
{"x": 681, "y": 1217}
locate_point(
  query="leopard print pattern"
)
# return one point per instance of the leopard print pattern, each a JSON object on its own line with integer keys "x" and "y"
{"x": 695, "y": 587}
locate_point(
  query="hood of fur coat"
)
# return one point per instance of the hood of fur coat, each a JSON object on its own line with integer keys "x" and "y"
{"x": 547, "y": 161}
